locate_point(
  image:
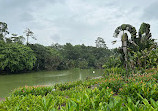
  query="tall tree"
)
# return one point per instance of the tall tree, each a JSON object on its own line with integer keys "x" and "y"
{"x": 29, "y": 33}
{"x": 123, "y": 29}
{"x": 144, "y": 38}
{"x": 100, "y": 43}
{"x": 145, "y": 46}
{"x": 3, "y": 30}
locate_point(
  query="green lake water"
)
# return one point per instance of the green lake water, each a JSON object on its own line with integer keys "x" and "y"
{"x": 10, "y": 82}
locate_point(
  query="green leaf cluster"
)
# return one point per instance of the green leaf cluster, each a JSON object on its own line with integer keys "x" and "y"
{"x": 16, "y": 57}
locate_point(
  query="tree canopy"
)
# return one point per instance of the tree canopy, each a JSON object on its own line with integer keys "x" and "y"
{"x": 16, "y": 57}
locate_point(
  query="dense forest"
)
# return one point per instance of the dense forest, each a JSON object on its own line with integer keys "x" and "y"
{"x": 16, "y": 55}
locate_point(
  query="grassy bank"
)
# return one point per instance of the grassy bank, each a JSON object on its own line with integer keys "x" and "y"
{"x": 111, "y": 93}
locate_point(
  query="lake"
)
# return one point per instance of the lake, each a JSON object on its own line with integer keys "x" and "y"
{"x": 10, "y": 82}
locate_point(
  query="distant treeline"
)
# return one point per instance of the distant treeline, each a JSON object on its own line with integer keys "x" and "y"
{"x": 18, "y": 56}
{"x": 68, "y": 56}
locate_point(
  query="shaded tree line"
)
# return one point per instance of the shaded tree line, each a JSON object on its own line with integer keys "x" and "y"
{"x": 60, "y": 57}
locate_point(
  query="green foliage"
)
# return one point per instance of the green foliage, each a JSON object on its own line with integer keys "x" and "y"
{"x": 39, "y": 51}
{"x": 147, "y": 90}
{"x": 127, "y": 27}
{"x": 47, "y": 57}
{"x": 52, "y": 59}
{"x": 152, "y": 60}
{"x": 82, "y": 64}
{"x": 95, "y": 94}
{"x": 144, "y": 36}
{"x": 69, "y": 56}
{"x": 141, "y": 51}
{"x": 81, "y": 56}
{"x": 16, "y": 58}
{"x": 115, "y": 70}
{"x": 111, "y": 93}
{"x": 71, "y": 52}
{"x": 33, "y": 90}
{"x": 112, "y": 62}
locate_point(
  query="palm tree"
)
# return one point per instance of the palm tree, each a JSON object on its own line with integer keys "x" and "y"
{"x": 140, "y": 45}
{"x": 122, "y": 32}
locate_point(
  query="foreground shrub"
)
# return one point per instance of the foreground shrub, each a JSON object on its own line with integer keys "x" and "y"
{"x": 146, "y": 90}
{"x": 33, "y": 90}
{"x": 111, "y": 93}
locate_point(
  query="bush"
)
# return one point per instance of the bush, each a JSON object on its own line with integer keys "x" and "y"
{"x": 16, "y": 57}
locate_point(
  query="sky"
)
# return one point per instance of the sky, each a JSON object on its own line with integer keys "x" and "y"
{"x": 77, "y": 21}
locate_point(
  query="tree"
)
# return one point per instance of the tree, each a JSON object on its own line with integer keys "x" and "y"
{"x": 83, "y": 64}
{"x": 52, "y": 59}
{"x": 144, "y": 38}
{"x": 47, "y": 57}
{"x": 126, "y": 27}
{"x": 3, "y": 30}
{"x": 146, "y": 45}
{"x": 100, "y": 43}
{"x": 29, "y": 33}
{"x": 137, "y": 48}
{"x": 71, "y": 52}
{"x": 123, "y": 29}
{"x": 17, "y": 39}
{"x": 16, "y": 57}
{"x": 40, "y": 53}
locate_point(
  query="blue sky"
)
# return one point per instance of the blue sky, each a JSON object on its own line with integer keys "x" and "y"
{"x": 77, "y": 21}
